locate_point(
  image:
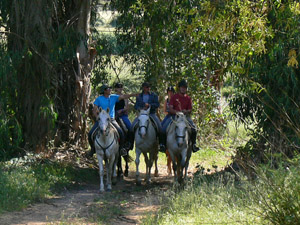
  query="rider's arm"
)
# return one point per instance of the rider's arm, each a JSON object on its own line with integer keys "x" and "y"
{"x": 139, "y": 104}
{"x": 154, "y": 103}
{"x": 165, "y": 107}
{"x": 126, "y": 106}
{"x": 172, "y": 110}
{"x": 189, "y": 107}
{"x": 126, "y": 96}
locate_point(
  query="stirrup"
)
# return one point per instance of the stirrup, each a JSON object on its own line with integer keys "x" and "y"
{"x": 123, "y": 152}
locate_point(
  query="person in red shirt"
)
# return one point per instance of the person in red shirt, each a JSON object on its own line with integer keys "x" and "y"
{"x": 180, "y": 102}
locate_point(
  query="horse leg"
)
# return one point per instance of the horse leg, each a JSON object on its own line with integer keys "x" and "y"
{"x": 109, "y": 167}
{"x": 137, "y": 163}
{"x": 126, "y": 158}
{"x": 179, "y": 169}
{"x": 156, "y": 167}
{"x": 169, "y": 161}
{"x": 148, "y": 168}
{"x": 101, "y": 172}
{"x": 114, "y": 171}
{"x": 119, "y": 166}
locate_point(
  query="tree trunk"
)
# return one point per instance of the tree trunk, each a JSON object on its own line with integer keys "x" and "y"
{"x": 49, "y": 42}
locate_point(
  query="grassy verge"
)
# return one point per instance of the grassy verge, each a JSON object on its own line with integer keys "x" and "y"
{"x": 273, "y": 197}
{"x": 21, "y": 185}
{"x": 209, "y": 199}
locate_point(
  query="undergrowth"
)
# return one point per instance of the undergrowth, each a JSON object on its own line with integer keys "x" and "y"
{"x": 25, "y": 181}
{"x": 273, "y": 197}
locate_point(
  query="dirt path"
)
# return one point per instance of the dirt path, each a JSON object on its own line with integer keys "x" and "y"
{"x": 126, "y": 204}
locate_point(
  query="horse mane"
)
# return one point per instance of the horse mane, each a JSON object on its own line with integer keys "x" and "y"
{"x": 179, "y": 117}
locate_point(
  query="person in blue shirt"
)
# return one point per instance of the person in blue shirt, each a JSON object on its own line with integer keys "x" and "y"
{"x": 145, "y": 100}
{"x": 107, "y": 100}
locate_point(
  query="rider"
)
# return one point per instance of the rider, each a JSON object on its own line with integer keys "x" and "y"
{"x": 170, "y": 93}
{"x": 121, "y": 108}
{"x": 180, "y": 102}
{"x": 145, "y": 100}
{"x": 107, "y": 100}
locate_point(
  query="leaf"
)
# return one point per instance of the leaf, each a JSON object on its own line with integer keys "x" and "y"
{"x": 292, "y": 59}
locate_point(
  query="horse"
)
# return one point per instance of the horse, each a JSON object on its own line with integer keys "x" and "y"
{"x": 107, "y": 149}
{"x": 169, "y": 163}
{"x": 179, "y": 146}
{"x": 146, "y": 142}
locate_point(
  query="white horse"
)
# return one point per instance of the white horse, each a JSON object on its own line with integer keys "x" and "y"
{"x": 107, "y": 149}
{"x": 179, "y": 145}
{"x": 146, "y": 142}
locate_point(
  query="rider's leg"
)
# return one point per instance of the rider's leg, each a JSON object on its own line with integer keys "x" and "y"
{"x": 121, "y": 134}
{"x": 159, "y": 127}
{"x": 90, "y": 138}
{"x": 126, "y": 121}
{"x": 167, "y": 121}
{"x": 193, "y": 135}
{"x": 130, "y": 134}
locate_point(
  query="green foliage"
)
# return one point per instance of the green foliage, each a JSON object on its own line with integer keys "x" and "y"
{"x": 10, "y": 129}
{"x": 267, "y": 92}
{"x": 277, "y": 192}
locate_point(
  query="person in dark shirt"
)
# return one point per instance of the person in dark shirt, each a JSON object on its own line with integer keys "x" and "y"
{"x": 121, "y": 108}
{"x": 145, "y": 100}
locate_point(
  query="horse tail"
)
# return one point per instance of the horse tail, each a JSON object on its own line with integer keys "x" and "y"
{"x": 128, "y": 158}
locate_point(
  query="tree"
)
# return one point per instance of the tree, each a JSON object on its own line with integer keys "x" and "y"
{"x": 49, "y": 47}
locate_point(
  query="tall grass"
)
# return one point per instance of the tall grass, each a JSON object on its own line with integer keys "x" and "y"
{"x": 21, "y": 185}
{"x": 210, "y": 199}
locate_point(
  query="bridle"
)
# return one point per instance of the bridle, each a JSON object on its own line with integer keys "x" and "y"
{"x": 145, "y": 126}
{"x": 106, "y": 134}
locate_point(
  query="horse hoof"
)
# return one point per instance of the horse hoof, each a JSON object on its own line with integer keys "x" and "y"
{"x": 126, "y": 174}
{"x": 108, "y": 190}
{"x": 101, "y": 191}
{"x": 156, "y": 174}
{"x": 138, "y": 183}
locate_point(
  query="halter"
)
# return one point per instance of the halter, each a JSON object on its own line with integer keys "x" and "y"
{"x": 187, "y": 126}
{"x": 146, "y": 127}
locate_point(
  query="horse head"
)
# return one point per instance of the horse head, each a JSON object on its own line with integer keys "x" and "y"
{"x": 104, "y": 121}
{"x": 181, "y": 128}
{"x": 143, "y": 122}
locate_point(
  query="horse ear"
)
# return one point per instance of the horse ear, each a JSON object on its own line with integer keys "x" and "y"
{"x": 148, "y": 110}
{"x": 107, "y": 110}
{"x": 100, "y": 109}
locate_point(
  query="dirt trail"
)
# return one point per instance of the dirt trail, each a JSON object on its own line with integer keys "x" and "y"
{"x": 126, "y": 204}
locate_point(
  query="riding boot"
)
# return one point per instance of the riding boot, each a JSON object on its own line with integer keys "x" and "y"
{"x": 130, "y": 140}
{"x": 162, "y": 142}
{"x": 193, "y": 140}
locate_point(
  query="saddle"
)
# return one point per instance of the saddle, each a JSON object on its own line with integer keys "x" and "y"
{"x": 96, "y": 132}
{"x": 122, "y": 125}
{"x": 153, "y": 123}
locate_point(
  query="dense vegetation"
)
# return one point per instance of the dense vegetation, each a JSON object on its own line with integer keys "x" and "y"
{"x": 243, "y": 52}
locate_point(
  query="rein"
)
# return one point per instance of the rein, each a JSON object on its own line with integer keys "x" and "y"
{"x": 105, "y": 148}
